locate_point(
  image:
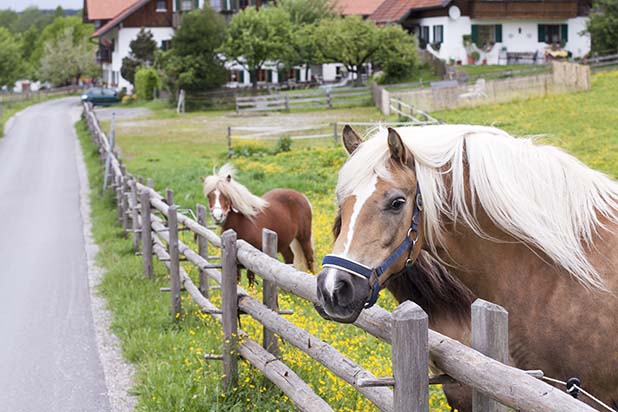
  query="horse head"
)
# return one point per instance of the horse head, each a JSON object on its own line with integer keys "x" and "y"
{"x": 379, "y": 230}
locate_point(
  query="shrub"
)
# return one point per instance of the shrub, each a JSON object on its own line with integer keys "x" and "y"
{"x": 146, "y": 79}
{"x": 284, "y": 144}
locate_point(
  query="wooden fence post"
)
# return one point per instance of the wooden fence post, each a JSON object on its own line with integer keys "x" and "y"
{"x": 174, "y": 269}
{"x": 286, "y": 101}
{"x": 169, "y": 196}
{"x": 146, "y": 235}
{"x": 202, "y": 249}
{"x": 410, "y": 358}
{"x": 229, "y": 309}
{"x": 336, "y": 133}
{"x": 125, "y": 204}
{"x": 229, "y": 140}
{"x": 150, "y": 183}
{"x": 134, "y": 213}
{"x": 490, "y": 336}
{"x": 119, "y": 196}
{"x": 270, "y": 296}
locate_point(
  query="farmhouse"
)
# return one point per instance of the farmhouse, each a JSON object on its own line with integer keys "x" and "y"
{"x": 501, "y": 32}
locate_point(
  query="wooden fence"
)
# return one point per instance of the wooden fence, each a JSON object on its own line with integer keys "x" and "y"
{"x": 600, "y": 63}
{"x": 315, "y": 99}
{"x": 154, "y": 222}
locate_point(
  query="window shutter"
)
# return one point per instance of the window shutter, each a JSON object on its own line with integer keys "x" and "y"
{"x": 242, "y": 76}
{"x": 498, "y": 33}
{"x": 196, "y": 4}
{"x": 541, "y": 33}
{"x": 475, "y": 33}
{"x": 435, "y": 32}
{"x": 564, "y": 32}
{"x": 177, "y": 5}
{"x": 297, "y": 74}
{"x": 270, "y": 76}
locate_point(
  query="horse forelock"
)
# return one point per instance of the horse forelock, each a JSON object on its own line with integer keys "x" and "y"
{"x": 462, "y": 168}
{"x": 239, "y": 196}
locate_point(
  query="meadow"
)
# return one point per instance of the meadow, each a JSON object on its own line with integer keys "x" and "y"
{"x": 176, "y": 151}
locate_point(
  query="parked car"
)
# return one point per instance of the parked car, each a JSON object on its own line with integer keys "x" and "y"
{"x": 100, "y": 96}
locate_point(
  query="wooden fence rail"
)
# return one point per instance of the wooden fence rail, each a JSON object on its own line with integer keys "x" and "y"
{"x": 406, "y": 329}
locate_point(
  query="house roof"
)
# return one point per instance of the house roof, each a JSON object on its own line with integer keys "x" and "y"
{"x": 105, "y": 9}
{"x": 120, "y": 17}
{"x": 396, "y": 10}
{"x": 357, "y": 7}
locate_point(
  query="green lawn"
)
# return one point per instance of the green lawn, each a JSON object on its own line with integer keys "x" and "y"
{"x": 176, "y": 151}
{"x": 485, "y": 69}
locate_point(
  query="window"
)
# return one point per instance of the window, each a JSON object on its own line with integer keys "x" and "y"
{"x": 438, "y": 34}
{"x": 166, "y": 45}
{"x": 423, "y": 35}
{"x": 186, "y": 5}
{"x": 484, "y": 35}
{"x": 553, "y": 33}
{"x": 162, "y": 6}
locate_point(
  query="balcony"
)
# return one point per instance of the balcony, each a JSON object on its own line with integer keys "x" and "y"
{"x": 104, "y": 55}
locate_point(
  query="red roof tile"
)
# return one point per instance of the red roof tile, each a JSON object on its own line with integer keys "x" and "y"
{"x": 106, "y": 9}
{"x": 357, "y": 7}
{"x": 396, "y": 10}
{"x": 120, "y": 17}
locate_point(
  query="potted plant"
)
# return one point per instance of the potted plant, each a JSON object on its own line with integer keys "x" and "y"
{"x": 474, "y": 57}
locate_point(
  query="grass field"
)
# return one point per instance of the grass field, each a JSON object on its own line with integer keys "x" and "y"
{"x": 176, "y": 151}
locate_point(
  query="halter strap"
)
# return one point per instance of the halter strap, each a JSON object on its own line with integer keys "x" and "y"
{"x": 365, "y": 272}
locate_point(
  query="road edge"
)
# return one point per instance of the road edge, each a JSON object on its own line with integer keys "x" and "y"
{"x": 119, "y": 374}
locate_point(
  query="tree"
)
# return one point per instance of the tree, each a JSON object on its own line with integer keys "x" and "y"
{"x": 603, "y": 26}
{"x": 308, "y": 11}
{"x": 253, "y": 37}
{"x": 304, "y": 48}
{"x": 8, "y": 19}
{"x": 28, "y": 42}
{"x": 142, "y": 54}
{"x": 350, "y": 40}
{"x": 193, "y": 63}
{"x": 64, "y": 60}
{"x": 397, "y": 56}
{"x": 10, "y": 58}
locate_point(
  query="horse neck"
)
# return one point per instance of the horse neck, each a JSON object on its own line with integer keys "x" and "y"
{"x": 235, "y": 221}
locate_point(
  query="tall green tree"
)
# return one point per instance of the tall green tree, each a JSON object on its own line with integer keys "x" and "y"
{"x": 350, "y": 40}
{"x": 65, "y": 60}
{"x": 193, "y": 63}
{"x": 256, "y": 36}
{"x": 304, "y": 48}
{"x": 603, "y": 26}
{"x": 308, "y": 11}
{"x": 142, "y": 54}
{"x": 398, "y": 55}
{"x": 10, "y": 58}
{"x": 8, "y": 19}
{"x": 30, "y": 17}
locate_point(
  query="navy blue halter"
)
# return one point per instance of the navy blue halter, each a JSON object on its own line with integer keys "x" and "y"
{"x": 358, "y": 269}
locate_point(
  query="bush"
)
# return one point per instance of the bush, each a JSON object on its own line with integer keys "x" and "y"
{"x": 284, "y": 144}
{"x": 146, "y": 79}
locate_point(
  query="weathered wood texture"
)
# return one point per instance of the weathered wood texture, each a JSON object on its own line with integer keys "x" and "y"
{"x": 134, "y": 213}
{"x": 229, "y": 306}
{"x": 146, "y": 235}
{"x": 202, "y": 249}
{"x": 410, "y": 358}
{"x": 269, "y": 292}
{"x": 174, "y": 269}
{"x": 490, "y": 336}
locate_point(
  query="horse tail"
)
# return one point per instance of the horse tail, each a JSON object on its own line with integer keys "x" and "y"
{"x": 300, "y": 260}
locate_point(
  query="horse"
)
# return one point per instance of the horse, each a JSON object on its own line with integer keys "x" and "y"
{"x": 284, "y": 211}
{"x": 524, "y": 225}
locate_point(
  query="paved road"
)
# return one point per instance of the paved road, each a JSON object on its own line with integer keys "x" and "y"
{"x": 48, "y": 353}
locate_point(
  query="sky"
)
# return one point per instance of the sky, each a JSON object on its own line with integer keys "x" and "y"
{"x": 19, "y": 5}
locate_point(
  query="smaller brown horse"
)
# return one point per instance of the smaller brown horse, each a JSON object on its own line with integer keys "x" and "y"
{"x": 284, "y": 211}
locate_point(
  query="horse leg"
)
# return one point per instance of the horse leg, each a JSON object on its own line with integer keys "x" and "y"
{"x": 307, "y": 247}
{"x": 459, "y": 396}
{"x": 288, "y": 256}
{"x": 250, "y": 278}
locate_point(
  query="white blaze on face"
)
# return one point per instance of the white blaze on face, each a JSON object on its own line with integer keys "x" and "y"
{"x": 217, "y": 210}
{"x": 361, "y": 195}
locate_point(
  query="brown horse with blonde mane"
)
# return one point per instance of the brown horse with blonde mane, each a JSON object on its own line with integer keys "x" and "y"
{"x": 284, "y": 211}
{"x": 523, "y": 225}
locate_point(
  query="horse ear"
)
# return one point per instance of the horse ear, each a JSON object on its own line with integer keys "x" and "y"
{"x": 203, "y": 178}
{"x": 351, "y": 140}
{"x": 229, "y": 178}
{"x": 396, "y": 147}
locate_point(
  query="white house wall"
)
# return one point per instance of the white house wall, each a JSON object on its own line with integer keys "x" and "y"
{"x": 517, "y": 36}
{"x": 122, "y": 49}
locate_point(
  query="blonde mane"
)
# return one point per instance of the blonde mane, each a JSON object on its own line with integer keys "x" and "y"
{"x": 538, "y": 194}
{"x": 241, "y": 198}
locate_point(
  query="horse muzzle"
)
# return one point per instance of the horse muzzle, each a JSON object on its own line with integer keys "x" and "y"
{"x": 341, "y": 296}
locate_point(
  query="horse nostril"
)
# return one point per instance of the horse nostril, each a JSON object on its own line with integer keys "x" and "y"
{"x": 344, "y": 292}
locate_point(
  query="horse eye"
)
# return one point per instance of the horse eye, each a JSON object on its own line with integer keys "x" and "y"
{"x": 398, "y": 203}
